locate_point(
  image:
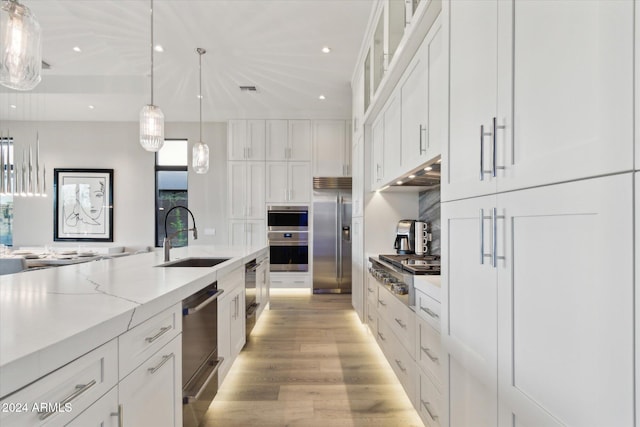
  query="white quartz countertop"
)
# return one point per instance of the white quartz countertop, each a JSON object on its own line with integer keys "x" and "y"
{"x": 50, "y": 317}
{"x": 428, "y": 284}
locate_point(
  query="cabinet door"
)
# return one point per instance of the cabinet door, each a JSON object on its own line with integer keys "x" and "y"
{"x": 255, "y": 190}
{"x": 472, "y": 32}
{"x": 299, "y": 140}
{"x": 469, "y": 312}
{"x": 392, "y": 137}
{"x": 226, "y": 306}
{"x": 329, "y": 147}
{"x": 236, "y": 139}
{"x": 299, "y": 182}
{"x": 277, "y": 185}
{"x": 437, "y": 91}
{"x": 150, "y": 395}
{"x": 358, "y": 177}
{"x": 277, "y": 139}
{"x": 237, "y": 189}
{"x": 102, "y": 413}
{"x": 566, "y": 312}
{"x": 256, "y": 140}
{"x": 256, "y": 233}
{"x": 357, "y": 267}
{"x": 377, "y": 153}
{"x": 237, "y": 232}
{"x": 573, "y": 113}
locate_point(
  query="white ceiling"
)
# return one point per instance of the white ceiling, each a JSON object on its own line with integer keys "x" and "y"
{"x": 272, "y": 44}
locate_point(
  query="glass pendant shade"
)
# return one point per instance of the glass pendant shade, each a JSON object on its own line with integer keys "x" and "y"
{"x": 151, "y": 128}
{"x": 200, "y": 157}
{"x": 20, "y": 47}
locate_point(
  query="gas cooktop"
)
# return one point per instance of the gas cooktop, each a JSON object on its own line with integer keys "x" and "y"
{"x": 414, "y": 264}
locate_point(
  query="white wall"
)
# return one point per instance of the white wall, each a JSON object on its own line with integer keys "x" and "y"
{"x": 114, "y": 145}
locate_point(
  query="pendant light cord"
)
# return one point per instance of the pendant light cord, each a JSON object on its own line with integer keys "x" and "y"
{"x": 200, "y": 52}
{"x": 151, "y": 52}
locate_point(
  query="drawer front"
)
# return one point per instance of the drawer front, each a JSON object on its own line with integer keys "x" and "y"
{"x": 372, "y": 318}
{"x": 429, "y": 349}
{"x": 430, "y": 402}
{"x": 400, "y": 360}
{"x": 103, "y": 413}
{"x": 399, "y": 317}
{"x": 372, "y": 289}
{"x": 428, "y": 309}
{"x": 61, "y": 395}
{"x": 139, "y": 343}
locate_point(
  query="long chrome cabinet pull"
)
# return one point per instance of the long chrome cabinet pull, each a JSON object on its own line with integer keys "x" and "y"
{"x": 402, "y": 368}
{"x": 158, "y": 335}
{"x": 481, "y": 219}
{"x": 482, "y": 135}
{"x": 382, "y": 303}
{"x": 495, "y": 151}
{"x": 429, "y": 312}
{"x": 80, "y": 389}
{"x": 399, "y": 322}
{"x": 494, "y": 241}
{"x": 164, "y": 360}
{"x": 381, "y": 336}
{"x": 422, "y": 150}
{"x": 426, "y": 406}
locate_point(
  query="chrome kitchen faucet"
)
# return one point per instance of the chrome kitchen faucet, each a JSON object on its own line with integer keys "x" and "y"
{"x": 166, "y": 243}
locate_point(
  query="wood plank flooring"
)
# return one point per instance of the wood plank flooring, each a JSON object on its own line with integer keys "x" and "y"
{"x": 310, "y": 362}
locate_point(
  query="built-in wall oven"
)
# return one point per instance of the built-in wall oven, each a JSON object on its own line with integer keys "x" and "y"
{"x": 200, "y": 360}
{"x": 288, "y": 238}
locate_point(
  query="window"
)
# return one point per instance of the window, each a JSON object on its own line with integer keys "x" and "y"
{"x": 6, "y": 193}
{"x": 171, "y": 190}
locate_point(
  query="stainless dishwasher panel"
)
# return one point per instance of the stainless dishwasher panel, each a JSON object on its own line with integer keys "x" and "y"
{"x": 200, "y": 361}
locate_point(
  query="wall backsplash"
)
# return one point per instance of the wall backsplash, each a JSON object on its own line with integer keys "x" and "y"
{"x": 429, "y": 211}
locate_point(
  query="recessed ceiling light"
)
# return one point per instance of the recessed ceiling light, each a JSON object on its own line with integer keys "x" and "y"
{"x": 439, "y": 161}
{"x": 199, "y": 96}
{"x": 411, "y": 176}
{"x": 14, "y": 106}
{"x": 326, "y": 49}
{"x": 322, "y": 97}
{"x": 399, "y": 182}
{"x": 91, "y": 107}
{"x": 428, "y": 168}
{"x": 158, "y": 48}
{"x": 77, "y": 49}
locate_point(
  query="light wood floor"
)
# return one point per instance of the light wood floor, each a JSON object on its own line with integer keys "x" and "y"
{"x": 310, "y": 362}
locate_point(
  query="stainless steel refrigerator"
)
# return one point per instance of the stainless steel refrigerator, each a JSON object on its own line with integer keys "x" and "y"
{"x": 332, "y": 240}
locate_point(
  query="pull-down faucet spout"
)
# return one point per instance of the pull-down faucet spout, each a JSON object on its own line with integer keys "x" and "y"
{"x": 166, "y": 243}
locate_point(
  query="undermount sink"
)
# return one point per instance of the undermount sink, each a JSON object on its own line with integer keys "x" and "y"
{"x": 194, "y": 262}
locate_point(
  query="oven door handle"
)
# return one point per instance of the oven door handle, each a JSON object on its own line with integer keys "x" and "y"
{"x": 190, "y": 310}
{"x": 288, "y": 243}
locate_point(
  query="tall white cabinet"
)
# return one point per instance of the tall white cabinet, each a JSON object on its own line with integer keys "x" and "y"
{"x": 537, "y": 214}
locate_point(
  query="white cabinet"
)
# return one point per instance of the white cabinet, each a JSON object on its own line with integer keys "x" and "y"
{"x": 246, "y": 140}
{"x": 529, "y": 113}
{"x": 357, "y": 182}
{"x": 288, "y": 182}
{"x": 288, "y": 140}
{"x": 105, "y": 412}
{"x": 248, "y": 233}
{"x": 262, "y": 284}
{"x": 231, "y": 319}
{"x": 150, "y": 395}
{"x": 423, "y": 91}
{"x": 524, "y": 272}
{"x": 357, "y": 267}
{"x": 392, "y": 137}
{"x": 246, "y": 190}
{"x": 377, "y": 153}
{"x": 331, "y": 148}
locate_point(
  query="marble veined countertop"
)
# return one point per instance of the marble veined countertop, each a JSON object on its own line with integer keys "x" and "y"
{"x": 50, "y": 317}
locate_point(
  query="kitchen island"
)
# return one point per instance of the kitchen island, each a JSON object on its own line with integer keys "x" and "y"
{"x": 51, "y": 317}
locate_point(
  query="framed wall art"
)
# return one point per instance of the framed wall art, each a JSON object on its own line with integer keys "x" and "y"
{"x": 83, "y": 205}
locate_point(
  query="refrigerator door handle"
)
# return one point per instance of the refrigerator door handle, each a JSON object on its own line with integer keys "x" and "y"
{"x": 338, "y": 241}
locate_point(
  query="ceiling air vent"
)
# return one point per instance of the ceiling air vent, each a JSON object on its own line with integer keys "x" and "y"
{"x": 248, "y": 89}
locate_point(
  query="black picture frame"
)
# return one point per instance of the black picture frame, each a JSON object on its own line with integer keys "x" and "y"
{"x": 83, "y": 205}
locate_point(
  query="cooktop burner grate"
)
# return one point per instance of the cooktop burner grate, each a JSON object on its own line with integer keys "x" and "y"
{"x": 414, "y": 264}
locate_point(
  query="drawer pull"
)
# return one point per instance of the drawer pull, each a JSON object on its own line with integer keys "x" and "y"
{"x": 399, "y": 322}
{"x": 370, "y": 290}
{"x": 382, "y": 303}
{"x": 381, "y": 336}
{"x": 158, "y": 335}
{"x": 426, "y": 406}
{"x": 370, "y": 318}
{"x": 429, "y": 312}
{"x": 428, "y": 353}
{"x": 80, "y": 389}
{"x": 120, "y": 416}
{"x": 164, "y": 360}
{"x": 402, "y": 368}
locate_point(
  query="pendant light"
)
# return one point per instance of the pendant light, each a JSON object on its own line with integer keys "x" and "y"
{"x": 151, "y": 117}
{"x": 20, "y": 47}
{"x": 200, "y": 155}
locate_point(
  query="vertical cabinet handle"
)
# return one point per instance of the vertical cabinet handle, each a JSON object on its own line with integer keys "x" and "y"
{"x": 481, "y": 220}
{"x": 482, "y": 135}
{"x": 495, "y": 144}
{"x": 421, "y": 151}
{"x": 120, "y": 416}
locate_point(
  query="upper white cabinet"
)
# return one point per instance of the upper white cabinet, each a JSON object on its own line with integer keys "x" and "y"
{"x": 423, "y": 92}
{"x": 288, "y": 140}
{"x": 392, "y": 136}
{"x": 246, "y": 190}
{"x": 246, "y": 140}
{"x": 331, "y": 148}
{"x": 377, "y": 153}
{"x": 524, "y": 273}
{"x": 550, "y": 97}
{"x": 288, "y": 182}
{"x": 357, "y": 185}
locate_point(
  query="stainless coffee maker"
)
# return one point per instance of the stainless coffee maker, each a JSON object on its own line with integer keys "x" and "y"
{"x": 405, "y": 237}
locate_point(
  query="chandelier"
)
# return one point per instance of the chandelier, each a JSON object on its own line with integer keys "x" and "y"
{"x": 151, "y": 117}
{"x": 20, "y": 47}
